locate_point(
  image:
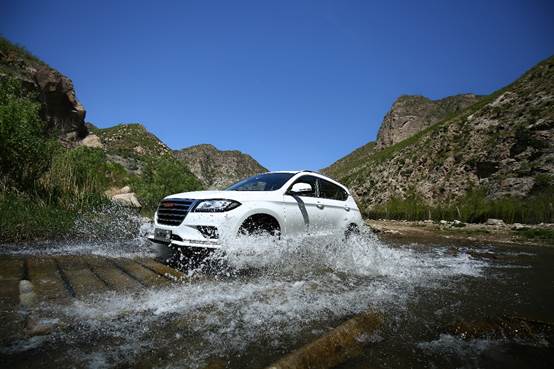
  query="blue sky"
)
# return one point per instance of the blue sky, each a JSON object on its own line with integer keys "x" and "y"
{"x": 296, "y": 84}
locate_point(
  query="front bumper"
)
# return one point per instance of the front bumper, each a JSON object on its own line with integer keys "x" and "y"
{"x": 188, "y": 234}
{"x": 211, "y": 244}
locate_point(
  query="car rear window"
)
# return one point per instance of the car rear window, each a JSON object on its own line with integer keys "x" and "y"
{"x": 330, "y": 190}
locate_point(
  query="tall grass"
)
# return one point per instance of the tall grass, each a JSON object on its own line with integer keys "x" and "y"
{"x": 76, "y": 178}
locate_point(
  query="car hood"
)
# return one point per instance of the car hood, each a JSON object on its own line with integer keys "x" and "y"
{"x": 231, "y": 195}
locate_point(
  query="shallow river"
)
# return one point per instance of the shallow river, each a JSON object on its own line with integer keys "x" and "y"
{"x": 270, "y": 298}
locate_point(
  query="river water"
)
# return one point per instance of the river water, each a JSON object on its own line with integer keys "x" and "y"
{"x": 267, "y": 298}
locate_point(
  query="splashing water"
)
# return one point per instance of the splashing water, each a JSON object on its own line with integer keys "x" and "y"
{"x": 280, "y": 293}
{"x": 111, "y": 230}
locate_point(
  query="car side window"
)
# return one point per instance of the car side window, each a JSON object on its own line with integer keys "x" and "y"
{"x": 311, "y": 180}
{"x": 330, "y": 190}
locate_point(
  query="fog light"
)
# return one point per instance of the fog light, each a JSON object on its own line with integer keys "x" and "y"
{"x": 209, "y": 232}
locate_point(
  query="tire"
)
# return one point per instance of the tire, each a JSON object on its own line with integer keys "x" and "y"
{"x": 260, "y": 225}
{"x": 351, "y": 230}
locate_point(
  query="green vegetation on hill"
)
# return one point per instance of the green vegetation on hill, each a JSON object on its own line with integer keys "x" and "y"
{"x": 152, "y": 169}
{"x": 161, "y": 177}
{"x": 25, "y": 155}
{"x": 43, "y": 185}
{"x": 132, "y": 141}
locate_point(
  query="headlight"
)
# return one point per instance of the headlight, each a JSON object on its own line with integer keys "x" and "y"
{"x": 216, "y": 206}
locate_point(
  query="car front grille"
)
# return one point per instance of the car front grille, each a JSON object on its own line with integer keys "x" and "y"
{"x": 172, "y": 212}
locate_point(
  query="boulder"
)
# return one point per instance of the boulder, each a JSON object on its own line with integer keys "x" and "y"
{"x": 139, "y": 150}
{"x": 495, "y": 222}
{"x": 457, "y": 223}
{"x": 110, "y": 193}
{"x": 127, "y": 199}
{"x": 92, "y": 141}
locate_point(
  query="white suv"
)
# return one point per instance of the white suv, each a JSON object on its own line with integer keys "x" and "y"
{"x": 279, "y": 204}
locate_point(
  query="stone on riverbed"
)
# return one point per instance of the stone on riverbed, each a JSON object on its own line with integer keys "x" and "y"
{"x": 27, "y": 296}
{"x": 40, "y": 327}
{"x": 495, "y": 222}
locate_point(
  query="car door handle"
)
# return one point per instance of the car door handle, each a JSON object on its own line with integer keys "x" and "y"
{"x": 347, "y": 208}
{"x": 319, "y": 205}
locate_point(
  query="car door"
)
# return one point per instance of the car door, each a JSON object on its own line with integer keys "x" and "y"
{"x": 335, "y": 210}
{"x": 303, "y": 213}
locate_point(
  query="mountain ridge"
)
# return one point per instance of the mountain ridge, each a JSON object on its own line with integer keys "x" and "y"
{"x": 216, "y": 168}
{"x": 500, "y": 146}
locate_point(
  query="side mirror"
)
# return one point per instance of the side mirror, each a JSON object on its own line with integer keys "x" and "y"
{"x": 300, "y": 188}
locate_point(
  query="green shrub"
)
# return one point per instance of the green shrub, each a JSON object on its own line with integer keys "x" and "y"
{"x": 536, "y": 233}
{"x": 25, "y": 152}
{"x": 162, "y": 177}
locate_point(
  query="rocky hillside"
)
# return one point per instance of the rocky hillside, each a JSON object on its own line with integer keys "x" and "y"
{"x": 411, "y": 114}
{"x": 129, "y": 144}
{"x": 60, "y": 109}
{"x": 501, "y": 146}
{"x": 217, "y": 169}
{"x": 351, "y": 161}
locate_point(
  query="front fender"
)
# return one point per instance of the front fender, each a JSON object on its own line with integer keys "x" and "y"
{"x": 271, "y": 209}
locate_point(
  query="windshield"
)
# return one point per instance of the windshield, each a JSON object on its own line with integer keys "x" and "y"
{"x": 262, "y": 182}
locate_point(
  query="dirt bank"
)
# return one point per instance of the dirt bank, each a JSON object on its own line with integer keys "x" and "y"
{"x": 532, "y": 235}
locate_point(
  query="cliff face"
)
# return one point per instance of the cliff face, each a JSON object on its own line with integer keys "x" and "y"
{"x": 411, "y": 114}
{"x": 218, "y": 169}
{"x": 504, "y": 145}
{"x": 60, "y": 109}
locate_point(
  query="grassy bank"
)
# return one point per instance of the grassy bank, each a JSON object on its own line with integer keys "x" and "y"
{"x": 25, "y": 218}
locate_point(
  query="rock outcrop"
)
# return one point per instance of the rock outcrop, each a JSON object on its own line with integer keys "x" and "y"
{"x": 60, "y": 109}
{"x": 410, "y": 114}
{"x": 123, "y": 196}
{"x": 92, "y": 141}
{"x": 218, "y": 169}
{"x": 502, "y": 145}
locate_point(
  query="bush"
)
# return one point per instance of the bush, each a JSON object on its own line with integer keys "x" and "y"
{"x": 536, "y": 233}
{"x": 25, "y": 153}
{"x": 161, "y": 177}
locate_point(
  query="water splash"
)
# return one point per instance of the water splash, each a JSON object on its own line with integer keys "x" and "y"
{"x": 111, "y": 230}
{"x": 280, "y": 293}
{"x": 361, "y": 255}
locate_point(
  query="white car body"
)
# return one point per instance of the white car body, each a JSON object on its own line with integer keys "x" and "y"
{"x": 297, "y": 214}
